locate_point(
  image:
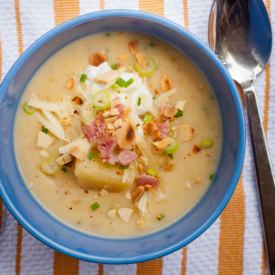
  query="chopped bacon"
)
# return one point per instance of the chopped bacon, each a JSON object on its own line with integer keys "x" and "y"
{"x": 95, "y": 130}
{"x": 106, "y": 146}
{"x": 163, "y": 128}
{"x": 126, "y": 157}
{"x": 144, "y": 179}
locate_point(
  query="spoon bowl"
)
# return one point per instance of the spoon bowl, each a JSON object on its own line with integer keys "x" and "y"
{"x": 240, "y": 34}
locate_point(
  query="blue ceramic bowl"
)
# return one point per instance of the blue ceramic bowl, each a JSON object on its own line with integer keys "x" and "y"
{"x": 59, "y": 236}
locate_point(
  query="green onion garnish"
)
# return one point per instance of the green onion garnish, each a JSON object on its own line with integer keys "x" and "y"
{"x": 206, "y": 143}
{"x": 64, "y": 169}
{"x": 139, "y": 101}
{"x": 212, "y": 175}
{"x": 152, "y": 172}
{"x": 91, "y": 155}
{"x": 95, "y": 206}
{"x": 101, "y": 100}
{"x": 171, "y": 148}
{"x": 160, "y": 217}
{"x": 114, "y": 66}
{"x": 27, "y": 109}
{"x": 44, "y": 130}
{"x": 179, "y": 113}
{"x": 123, "y": 83}
{"x": 108, "y": 34}
{"x": 147, "y": 118}
{"x": 83, "y": 78}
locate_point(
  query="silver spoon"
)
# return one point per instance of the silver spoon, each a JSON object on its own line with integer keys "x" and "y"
{"x": 240, "y": 34}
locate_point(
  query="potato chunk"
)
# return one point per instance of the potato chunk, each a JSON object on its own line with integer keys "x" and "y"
{"x": 92, "y": 174}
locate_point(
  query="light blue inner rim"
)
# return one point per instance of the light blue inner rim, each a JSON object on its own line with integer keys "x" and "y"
{"x": 239, "y": 158}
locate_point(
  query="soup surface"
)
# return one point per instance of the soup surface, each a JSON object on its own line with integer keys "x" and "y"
{"x": 118, "y": 134}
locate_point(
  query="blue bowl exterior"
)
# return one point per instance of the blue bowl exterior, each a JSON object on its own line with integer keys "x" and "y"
{"x": 59, "y": 236}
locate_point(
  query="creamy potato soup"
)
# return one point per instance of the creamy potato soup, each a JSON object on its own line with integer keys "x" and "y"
{"x": 118, "y": 134}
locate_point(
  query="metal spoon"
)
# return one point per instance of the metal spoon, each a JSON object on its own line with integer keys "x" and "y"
{"x": 240, "y": 34}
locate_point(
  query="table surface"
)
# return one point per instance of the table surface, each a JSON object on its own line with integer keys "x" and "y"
{"x": 232, "y": 245}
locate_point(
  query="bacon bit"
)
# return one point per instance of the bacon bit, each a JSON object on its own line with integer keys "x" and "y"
{"x": 163, "y": 128}
{"x": 137, "y": 193}
{"x": 166, "y": 83}
{"x": 96, "y": 59}
{"x": 162, "y": 144}
{"x": 186, "y": 132}
{"x": 147, "y": 180}
{"x": 169, "y": 166}
{"x": 133, "y": 47}
{"x": 106, "y": 146}
{"x": 125, "y": 135}
{"x": 196, "y": 149}
{"x": 70, "y": 84}
{"x": 77, "y": 100}
{"x": 126, "y": 157}
{"x": 141, "y": 59}
{"x": 95, "y": 130}
{"x": 168, "y": 110}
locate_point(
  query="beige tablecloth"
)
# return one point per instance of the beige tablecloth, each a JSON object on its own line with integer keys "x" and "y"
{"x": 233, "y": 245}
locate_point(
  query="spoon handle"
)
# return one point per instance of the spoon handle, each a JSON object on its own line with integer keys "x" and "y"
{"x": 266, "y": 186}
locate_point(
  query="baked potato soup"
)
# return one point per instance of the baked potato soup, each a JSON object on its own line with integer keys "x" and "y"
{"x": 118, "y": 134}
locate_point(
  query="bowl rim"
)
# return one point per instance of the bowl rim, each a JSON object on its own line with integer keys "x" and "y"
{"x": 135, "y": 14}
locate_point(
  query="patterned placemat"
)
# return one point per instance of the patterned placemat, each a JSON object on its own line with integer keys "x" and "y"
{"x": 233, "y": 245}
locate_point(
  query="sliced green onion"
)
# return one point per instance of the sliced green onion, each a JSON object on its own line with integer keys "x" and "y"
{"x": 83, "y": 78}
{"x": 114, "y": 86}
{"x": 147, "y": 118}
{"x": 139, "y": 101}
{"x": 114, "y": 66}
{"x": 108, "y": 34}
{"x": 154, "y": 97}
{"x": 171, "y": 148}
{"x": 95, "y": 206}
{"x": 212, "y": 175}
{"x": 159, "y": 217}
{"x": 64, "y": 169}
{"x": 206, "y": 143}
{"x": 91, "y": 155}
{"x": 44, "y": 130}
{"x": 49, "y": 165}
{"x": 27, "y": 109}
{"x": 123, "y": 83}
{"x": 151, "y": 66}
{"x": 152, "y": 172}
{"x": 179, "y": 113}
{"x": 101, "y": 101}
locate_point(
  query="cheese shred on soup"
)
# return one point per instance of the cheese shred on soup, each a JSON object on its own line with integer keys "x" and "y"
{"x": 118, "y": 134}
